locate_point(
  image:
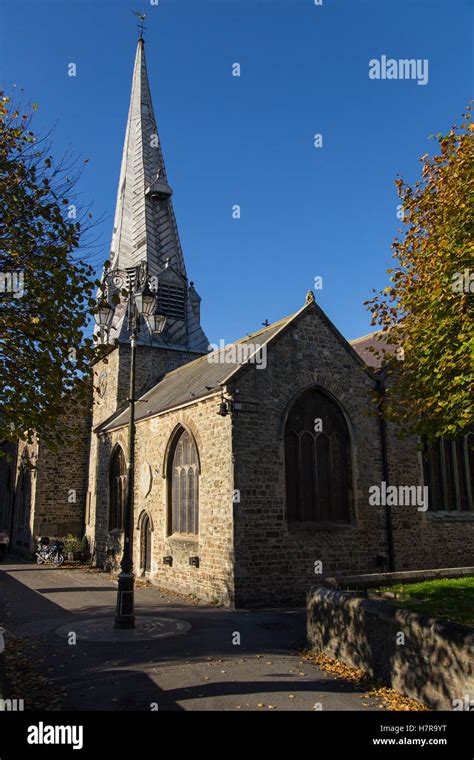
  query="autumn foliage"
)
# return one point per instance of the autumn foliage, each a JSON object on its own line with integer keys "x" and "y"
{"x": 426, "y": 313}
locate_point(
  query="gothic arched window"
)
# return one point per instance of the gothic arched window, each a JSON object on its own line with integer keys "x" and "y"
{"x": 183, "y": 479}
{"x": 25, "y": 499}
{"x": 317, "y": 461}
{"x": 448, "y": 467}
{"x": 117, "y": 489}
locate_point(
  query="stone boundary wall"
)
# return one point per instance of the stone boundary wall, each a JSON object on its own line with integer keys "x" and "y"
{"x": 374, "y": 580}
{"x": 434, "y": 665}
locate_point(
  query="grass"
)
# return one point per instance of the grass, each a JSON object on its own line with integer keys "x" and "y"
{"x": 448, "y": 598}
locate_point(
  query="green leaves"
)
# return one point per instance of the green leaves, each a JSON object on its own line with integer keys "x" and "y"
{"x": 430, "y": 391}
{"x": 44, "y": 357}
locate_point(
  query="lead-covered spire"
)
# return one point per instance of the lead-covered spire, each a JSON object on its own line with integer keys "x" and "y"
{"x": 145, "y": 230}
{"x": 144, "y": 225}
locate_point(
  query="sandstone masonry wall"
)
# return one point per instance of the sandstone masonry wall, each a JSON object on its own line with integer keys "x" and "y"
{"x": 213, "y": 579}
{"x": 275, "y": 561}
{"x": 61, "y": 482}
{"x": 435, "y": 664}
{"x": 428, "y": 539}
{"x": 111, "y": 377}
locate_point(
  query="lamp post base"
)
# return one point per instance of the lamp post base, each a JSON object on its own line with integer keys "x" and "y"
{"x": 124, "y": 613}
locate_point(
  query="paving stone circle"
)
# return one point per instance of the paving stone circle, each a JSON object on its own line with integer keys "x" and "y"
{"x": 146, "y": 627}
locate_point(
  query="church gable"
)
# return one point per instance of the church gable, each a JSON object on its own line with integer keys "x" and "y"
{"x": 307, "y": 349}
{"x": 310, "y": 372}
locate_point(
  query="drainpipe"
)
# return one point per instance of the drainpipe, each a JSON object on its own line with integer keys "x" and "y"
{"x": 385, "y": 472}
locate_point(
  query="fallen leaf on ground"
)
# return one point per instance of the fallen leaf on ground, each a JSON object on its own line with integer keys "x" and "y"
{"x": 391, "y": 699}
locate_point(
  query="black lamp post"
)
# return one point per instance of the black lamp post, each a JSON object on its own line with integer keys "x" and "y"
{"x": 141, "y": 303}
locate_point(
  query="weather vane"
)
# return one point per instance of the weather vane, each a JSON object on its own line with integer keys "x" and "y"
{"x": 140, "y": 26}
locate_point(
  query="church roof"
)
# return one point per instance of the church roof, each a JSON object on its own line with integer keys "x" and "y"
{"x": 204, "y": 377}
{"x": 198, "y": 379}
{"x": 374, "y": 340}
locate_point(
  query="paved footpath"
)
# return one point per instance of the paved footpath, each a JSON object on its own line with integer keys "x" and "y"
{"x": 201, "y": 669}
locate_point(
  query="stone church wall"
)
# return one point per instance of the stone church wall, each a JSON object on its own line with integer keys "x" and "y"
{"x": 61, "y": 483}
{"x": 111, "y": 377}
{"x": 426, "y": 539}
{"x": 50, "y": 498}
{"x": 275, "y": 563}
{"x": 213, "y": 579}
{"x": 248, "y": 553}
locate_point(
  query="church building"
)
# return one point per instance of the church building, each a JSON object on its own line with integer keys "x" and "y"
{"x": 256, "y": 464}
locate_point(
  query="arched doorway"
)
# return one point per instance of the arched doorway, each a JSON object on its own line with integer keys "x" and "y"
{"x": 145, "y": 545}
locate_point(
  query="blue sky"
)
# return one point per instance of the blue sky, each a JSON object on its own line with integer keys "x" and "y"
{"x": 305, "y": 211}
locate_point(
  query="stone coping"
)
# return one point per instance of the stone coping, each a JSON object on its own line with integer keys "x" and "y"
{"x": 372, "y": 580}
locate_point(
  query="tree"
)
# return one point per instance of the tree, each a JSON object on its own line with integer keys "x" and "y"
{"x": 427, "y": 311}
{"x": 46, "y": 289}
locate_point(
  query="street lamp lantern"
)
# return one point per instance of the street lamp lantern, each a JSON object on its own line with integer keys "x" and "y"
{"x": 145, "y": 300}
{"x": 156, "y": 323}
{"x": 104, "y": 314}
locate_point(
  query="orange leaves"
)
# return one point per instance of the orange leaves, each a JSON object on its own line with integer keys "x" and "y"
{"x": 436, "y": 247}
{"x": 391, "y": 699}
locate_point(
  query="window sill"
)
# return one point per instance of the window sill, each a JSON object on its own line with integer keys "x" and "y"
{"x": 454, "y": 516}
{"x": 316, "y": 527}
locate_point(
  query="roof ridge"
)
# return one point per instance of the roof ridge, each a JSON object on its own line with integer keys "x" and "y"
{"x": 259, "y": 332}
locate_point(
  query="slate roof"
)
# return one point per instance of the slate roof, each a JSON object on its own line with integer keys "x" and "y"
{"x": 193, "y": 381}
{"x": 361, "y": 345}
